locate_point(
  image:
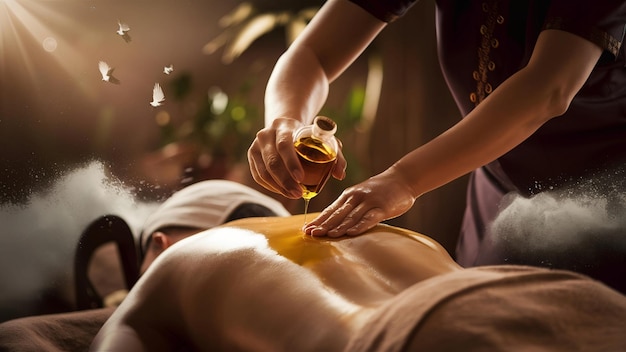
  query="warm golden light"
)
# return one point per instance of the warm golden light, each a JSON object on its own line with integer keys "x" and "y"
{"x": 32, "y": 31}
{"x": 50, "y": 44}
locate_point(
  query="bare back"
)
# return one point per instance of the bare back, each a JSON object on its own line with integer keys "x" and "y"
{"x": 261, "y": 284}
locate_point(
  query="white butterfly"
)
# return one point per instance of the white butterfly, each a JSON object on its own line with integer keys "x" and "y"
{"x": 157, "y": 95}
{"x": 122, "y": 30}
{"x": 107, "y": 72}
{"x": 168, "y": 69}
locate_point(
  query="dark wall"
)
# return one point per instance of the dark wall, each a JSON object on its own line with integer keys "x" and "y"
{"x": 415, "y": 107}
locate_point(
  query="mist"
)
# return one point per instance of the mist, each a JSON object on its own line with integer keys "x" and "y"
{"x": 550, "y": 219}
{"x": 580, "y": 228}
{"x": 39, "y": 237}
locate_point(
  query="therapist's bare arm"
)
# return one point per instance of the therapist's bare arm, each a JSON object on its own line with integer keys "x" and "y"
{"x": 560, "y": 64}
{"x": 298, "y": 87}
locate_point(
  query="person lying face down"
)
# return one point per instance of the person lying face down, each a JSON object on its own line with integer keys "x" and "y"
{"x": 260, "y": 284}
{"x": 195, "y": 208}
{"x": 198, "y": 207}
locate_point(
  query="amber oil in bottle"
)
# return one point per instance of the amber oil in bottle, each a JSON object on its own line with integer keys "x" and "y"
{"x": 317, "y": 148}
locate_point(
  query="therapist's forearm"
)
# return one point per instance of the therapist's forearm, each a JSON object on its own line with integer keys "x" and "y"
{"x": 501, "y": 122}
{"x": 297, "y": 88}
{"x": 558, "y": 68}
{"x": 337, "y": 35}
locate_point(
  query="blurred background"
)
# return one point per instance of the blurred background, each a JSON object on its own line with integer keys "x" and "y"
{"x": 73, "y": 146}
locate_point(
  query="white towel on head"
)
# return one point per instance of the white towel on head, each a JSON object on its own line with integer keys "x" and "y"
{"x": 204, "y": 205}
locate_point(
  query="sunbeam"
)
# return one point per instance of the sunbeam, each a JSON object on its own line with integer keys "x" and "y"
{"x": 31, "y": 29}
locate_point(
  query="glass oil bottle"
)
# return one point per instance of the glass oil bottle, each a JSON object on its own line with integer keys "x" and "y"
{"x": 317, "y": 149}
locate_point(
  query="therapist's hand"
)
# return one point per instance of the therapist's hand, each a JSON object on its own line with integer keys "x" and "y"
{"x": 274, "y": 163}
{"x": 361, "y": 207}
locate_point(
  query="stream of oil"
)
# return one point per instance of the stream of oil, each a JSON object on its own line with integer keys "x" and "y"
{"x": 306, "y": 209}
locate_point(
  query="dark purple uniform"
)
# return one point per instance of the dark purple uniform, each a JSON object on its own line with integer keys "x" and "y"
{"x": 480, "y": 45}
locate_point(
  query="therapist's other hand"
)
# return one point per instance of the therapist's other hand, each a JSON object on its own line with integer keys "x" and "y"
{"x": 274, "y": 163}
{"x": 362, "y": 206}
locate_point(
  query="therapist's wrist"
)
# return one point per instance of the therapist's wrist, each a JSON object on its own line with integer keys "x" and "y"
{"x": 407, "y": 178}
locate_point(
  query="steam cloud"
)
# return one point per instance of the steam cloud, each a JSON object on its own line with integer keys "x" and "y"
{"x": 38, "y": 239}
{"x": 581, "y": 228}
{"x": 550, "y": 219}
